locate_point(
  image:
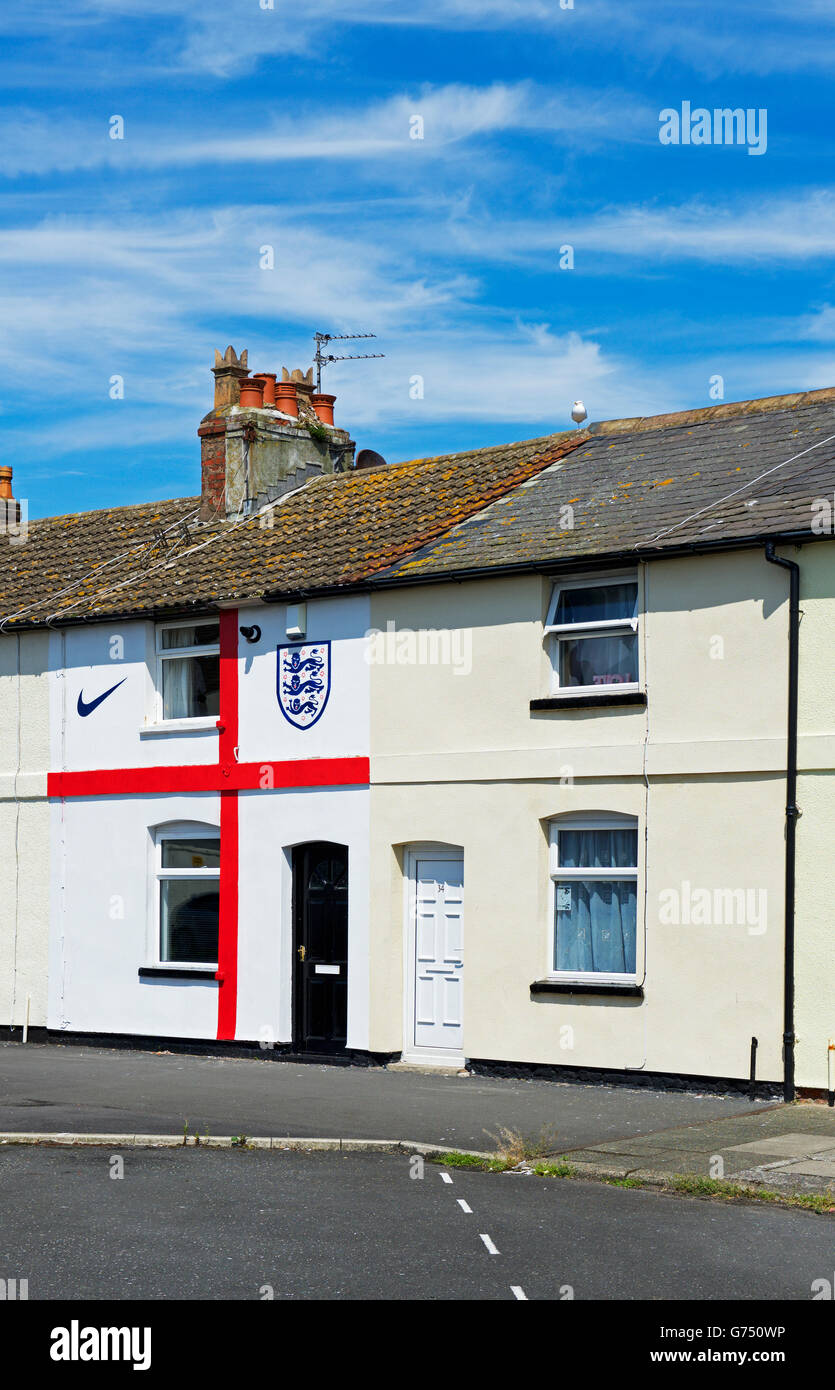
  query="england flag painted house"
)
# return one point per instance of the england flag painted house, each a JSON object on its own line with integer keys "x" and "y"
{"x": 208, "y": 807}
{"x": 185, "y": 763}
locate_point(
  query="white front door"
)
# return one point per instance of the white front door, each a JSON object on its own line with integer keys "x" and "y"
{"x": 439, "y": 958}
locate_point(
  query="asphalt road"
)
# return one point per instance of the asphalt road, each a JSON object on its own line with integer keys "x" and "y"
{"x": 221, "y": 1224}
{"x": 49, "y": 1087}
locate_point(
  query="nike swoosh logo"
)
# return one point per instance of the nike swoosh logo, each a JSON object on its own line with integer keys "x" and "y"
{"x": 84, "y": 708}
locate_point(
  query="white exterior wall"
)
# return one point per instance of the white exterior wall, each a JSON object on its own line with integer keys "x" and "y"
{"x": 24, "y": 827}
{"x": 104, "y": 862}
{"x": 103, "y": 844}
{"x": 271, "y": 824}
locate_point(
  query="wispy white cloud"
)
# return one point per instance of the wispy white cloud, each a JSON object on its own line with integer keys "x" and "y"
{"x": 92, "y": 299}
{"x": 752, "y": 36}
{"x": 85, "y": 298}
{"x": 441, "y": 118}
{"x": 818, "y": 326}
{"x": 744, "y": 231}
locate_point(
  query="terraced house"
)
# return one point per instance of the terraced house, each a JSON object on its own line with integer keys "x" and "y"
{"x": 520, "y": 757}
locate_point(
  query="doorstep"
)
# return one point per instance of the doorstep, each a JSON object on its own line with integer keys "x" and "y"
{"x": 430, "y": 1068}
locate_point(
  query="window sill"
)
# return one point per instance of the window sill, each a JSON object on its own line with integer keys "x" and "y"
{"x": 613, "y": 697}
{"x": 178, "y": 972}
{"x": 629, "y": 991}
{"x": 180, "y": 726}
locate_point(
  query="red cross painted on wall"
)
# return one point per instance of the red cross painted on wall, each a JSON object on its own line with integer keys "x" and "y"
{"x": 228, "y": 777}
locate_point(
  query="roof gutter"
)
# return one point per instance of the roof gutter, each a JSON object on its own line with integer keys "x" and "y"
{"x": 792, "y": 813}
{"x": 544, "y": 567}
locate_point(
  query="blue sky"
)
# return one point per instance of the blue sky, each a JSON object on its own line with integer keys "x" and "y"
{"x": 290, "y": 127}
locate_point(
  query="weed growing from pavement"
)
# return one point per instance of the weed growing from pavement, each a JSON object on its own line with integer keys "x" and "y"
{"x": 692, "y": 1186}
{"x": 681, "y": 1184}
{"x": 503, "y": 1164}
{"x": 458, "y": 1160}
{"x": 514, "y": 1148}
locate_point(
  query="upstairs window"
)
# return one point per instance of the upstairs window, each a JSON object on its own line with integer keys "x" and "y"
{"x": 594, "y": 872}
{"x": 188, "y": 887}
{"x": 189, "y": 670}
{"x": 593, "y": 624}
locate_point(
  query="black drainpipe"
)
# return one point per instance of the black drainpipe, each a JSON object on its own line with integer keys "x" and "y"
{"x": 791, "y": 816}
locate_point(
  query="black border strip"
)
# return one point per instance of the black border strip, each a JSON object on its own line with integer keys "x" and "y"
{"x": 626, "y": 697}
{"x": 566, "y": 987}
{"x": 175, "y": 972}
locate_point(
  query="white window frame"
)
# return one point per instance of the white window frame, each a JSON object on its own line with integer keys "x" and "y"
{"x": 603, "y": 628}
{"x": 202, "y": 721}
{"x": 611, "y": 821}
{"x": 179, "y": 831}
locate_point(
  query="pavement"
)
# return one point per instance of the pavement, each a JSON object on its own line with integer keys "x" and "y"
{"x": 605, "y": 1131}
{"x": 788, "y": 1148}
{"x": 51, "y": 1087}
{"x": 248, "y": 1225}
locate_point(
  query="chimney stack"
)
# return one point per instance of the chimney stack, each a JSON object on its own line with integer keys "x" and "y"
{"x": 9, "y": 507}
{"x": 303, "y": 381}
{"x": 256, "y": 443}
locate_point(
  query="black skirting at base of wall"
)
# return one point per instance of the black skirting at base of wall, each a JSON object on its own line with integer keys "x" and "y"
{"x": 479, "y": 1066}
{"x": 15, "y": 1034}
{"x": 645, "y": 1080}
{"x": 206, "y": 1047}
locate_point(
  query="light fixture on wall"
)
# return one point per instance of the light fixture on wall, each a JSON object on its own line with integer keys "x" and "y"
{"x": 251, "y": 634}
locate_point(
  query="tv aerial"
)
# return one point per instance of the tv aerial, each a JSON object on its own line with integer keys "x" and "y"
{"x": 323, "y": 358}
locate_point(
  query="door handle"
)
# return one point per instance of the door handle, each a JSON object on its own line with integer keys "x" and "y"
{"x": 302, "y": 953}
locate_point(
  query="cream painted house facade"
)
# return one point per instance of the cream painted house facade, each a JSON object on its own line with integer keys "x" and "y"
{"x": 460, "y": 760}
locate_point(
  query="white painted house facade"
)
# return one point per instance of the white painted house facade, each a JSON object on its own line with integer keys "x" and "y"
{"x": 198, "y": 792}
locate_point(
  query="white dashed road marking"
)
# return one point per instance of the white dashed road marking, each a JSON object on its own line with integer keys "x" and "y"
{"x": 516, "y": 1289}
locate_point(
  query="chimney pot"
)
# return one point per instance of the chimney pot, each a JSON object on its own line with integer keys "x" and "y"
{"x": 252, "y": 393}
{"x": 286, "y": 398}
{"x": 268, "y": 379}
{"x": 323, "y": 406}
{"x": 6, "y": 494}
{"x": 228, "y": 372}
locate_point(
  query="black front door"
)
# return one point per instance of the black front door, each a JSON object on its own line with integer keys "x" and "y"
{"x": 320, "y": 912}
